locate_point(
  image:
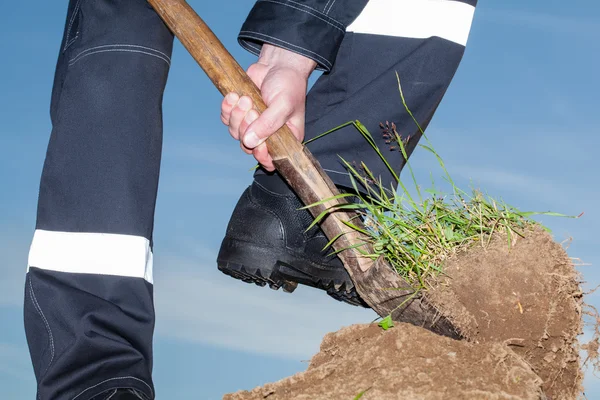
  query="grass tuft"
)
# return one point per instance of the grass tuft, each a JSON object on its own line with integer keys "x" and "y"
{"x": 416, "y": 230}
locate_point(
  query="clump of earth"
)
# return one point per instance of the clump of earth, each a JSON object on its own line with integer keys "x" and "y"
{"x": 519, "y": 308}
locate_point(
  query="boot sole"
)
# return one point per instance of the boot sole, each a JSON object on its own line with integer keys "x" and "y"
{"x": 277, "y": 268}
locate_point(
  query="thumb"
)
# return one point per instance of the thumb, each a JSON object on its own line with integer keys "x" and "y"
{"x": 269, "y": 122}
{"x": 257, "y": 73}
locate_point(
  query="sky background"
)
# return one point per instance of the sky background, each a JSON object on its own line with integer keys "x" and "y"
{"x": 520, "y": 121}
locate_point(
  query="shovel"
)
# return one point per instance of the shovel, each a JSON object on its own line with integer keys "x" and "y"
{"x": 376, "y": 282}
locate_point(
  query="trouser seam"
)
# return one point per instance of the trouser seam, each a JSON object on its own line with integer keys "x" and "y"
{"x": 41, "y": 313}
{"x": 70, "y": 40}
{"x": 115, "y": 379}
{"x": 121, "y": 47}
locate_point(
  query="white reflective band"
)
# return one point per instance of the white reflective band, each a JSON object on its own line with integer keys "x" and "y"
{"x": 418, "y": 19}
{"x": 92, "y": 253}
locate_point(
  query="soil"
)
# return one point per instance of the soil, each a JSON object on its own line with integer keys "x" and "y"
{"x": 405, "y": 362}
{"x": 519, "y": 308}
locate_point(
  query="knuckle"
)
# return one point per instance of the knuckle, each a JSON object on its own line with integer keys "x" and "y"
{"x": 250, "y": 117}
{"x": 287, "y": 103}
{"x": 236, "y": 116}
{"x": 253, "y": 69}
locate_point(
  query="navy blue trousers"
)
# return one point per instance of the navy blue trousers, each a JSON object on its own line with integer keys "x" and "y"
{"x": 88, "y": 306}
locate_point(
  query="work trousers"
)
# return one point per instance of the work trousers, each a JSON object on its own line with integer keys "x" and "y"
{"x": 88, "y": 305}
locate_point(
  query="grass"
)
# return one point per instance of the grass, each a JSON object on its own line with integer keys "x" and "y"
{"x": 416, "y": 229}
{"x": 361, "y": 394}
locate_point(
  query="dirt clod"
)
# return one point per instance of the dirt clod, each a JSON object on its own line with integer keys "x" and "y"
{"x": 526, "y": 296}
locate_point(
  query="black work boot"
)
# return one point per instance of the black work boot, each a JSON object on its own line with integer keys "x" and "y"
{"x": 267, "y": 243}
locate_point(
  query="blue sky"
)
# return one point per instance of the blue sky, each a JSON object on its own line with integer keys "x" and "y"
{"x": 519, "y": 120}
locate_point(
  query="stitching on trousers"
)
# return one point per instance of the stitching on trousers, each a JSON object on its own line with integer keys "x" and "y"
{"x": 111, "y": 395}
{"x": 320, "y": 57}
{"x": 116, "y": 47}
{"x": 71, "y": 41}
{"x": 75, "y": 12}
{"x": 325, "y": 9}
{"x": 304, "y": 11}
{"x": 310, "y": 8}
{"x": 253, "y": 47}
{"x": 114, "y": 379}
{"x": 39, "y": 310}
{"x": 119, "y": 50}
{"x": 137, "y": 394}
{"x": 330, "y": 7}
{"x": 119, "y": 45}
{"x": 314, "y": 9}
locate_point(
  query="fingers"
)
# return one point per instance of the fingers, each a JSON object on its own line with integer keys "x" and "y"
{"x": 227, "y": 106}
{"x": 249, "y": 118}
{"x": 251, "y": 128}
{"x": 284, "y": 91}
{"x": 236, "y": 115}
{"x": 273, "y": 118}
{"x": 261, "y": 155}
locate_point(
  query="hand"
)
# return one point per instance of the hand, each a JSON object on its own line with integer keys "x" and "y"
{"x": 282, "y": 77}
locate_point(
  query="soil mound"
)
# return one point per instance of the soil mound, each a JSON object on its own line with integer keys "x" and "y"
{"x": 405, "y": 362}
{"x": 519, "y": 307}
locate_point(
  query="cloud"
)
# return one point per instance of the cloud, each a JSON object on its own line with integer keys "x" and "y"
{"x": 504, "y": 178}
{"x": 197, "y": 303}
{"x": 531, "y": 163}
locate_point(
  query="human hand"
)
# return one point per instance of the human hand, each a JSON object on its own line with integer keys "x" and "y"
{"x": 282, "y": 77}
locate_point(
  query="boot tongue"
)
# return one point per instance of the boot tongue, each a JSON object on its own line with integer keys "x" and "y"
{"x": 275, "y": 183}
